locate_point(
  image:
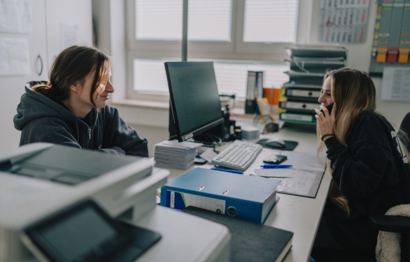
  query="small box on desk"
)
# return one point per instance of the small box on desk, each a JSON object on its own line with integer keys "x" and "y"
{"x": 247, "y": 197}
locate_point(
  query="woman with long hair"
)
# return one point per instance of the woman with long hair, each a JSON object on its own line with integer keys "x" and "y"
{"x": 367, "y": 162}
{"x": 71, "y": 108}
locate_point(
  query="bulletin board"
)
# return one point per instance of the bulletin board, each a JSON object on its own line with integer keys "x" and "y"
{"x": 391, "y": 38}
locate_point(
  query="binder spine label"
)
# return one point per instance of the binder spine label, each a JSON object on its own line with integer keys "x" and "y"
{"x": 304, "y": 93}
{"x": 297, "y": 117}
{"x": 178, "y": 200}
{"x": 305, "y": 106}
{"x": 172, "y": 200}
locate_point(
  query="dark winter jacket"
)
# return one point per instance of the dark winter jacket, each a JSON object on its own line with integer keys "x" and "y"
{"x": 372, "y": 172}
{"x": 43, "y": 120}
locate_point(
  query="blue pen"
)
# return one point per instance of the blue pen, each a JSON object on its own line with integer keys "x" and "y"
{"x": 275, "y": 166}
{"x": 227, "y": 170}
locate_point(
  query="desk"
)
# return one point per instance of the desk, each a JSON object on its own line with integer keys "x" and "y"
{"x": 301, "y": 215}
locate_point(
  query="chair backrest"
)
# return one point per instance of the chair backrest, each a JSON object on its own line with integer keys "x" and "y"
{"x": 405, "y": 240}
{"x": 405, "y": 126}
{"x": 405, "y": 123}
{"x": 393, "y": 240}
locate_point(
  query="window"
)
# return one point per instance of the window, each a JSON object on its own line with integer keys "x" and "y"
{"x": 238, "y": 35}
{"x": 162, "y": 20}
{"x": 231, "y": 76}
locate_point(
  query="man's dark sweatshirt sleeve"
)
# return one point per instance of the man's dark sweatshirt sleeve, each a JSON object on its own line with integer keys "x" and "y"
{"x": 48, "y": 130}
{"x": 119, "y": 138}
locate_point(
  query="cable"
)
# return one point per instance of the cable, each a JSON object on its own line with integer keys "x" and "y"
{"x": 301, "y": 67}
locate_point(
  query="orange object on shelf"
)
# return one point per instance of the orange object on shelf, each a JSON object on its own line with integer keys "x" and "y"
{"x": 404, "y": 55}
{"x": 272, "y": 94}
{"x": 381, "y": 55}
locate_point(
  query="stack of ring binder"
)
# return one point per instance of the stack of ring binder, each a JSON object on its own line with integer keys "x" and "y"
{"x": 308, "y": 66}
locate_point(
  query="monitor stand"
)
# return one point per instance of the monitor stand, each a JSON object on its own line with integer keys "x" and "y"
{"x": 214, "y": 135}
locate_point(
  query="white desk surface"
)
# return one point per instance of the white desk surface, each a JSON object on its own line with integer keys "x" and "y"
{"x": 300, "y": 215}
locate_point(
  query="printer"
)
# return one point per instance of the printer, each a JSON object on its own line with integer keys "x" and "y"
{"x": 40, "y": 180}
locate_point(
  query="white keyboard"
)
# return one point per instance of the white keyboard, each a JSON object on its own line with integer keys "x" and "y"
{"x": 239, "y": 155}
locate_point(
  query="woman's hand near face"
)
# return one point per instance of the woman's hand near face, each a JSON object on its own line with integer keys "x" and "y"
{"x": 325, "y": 122}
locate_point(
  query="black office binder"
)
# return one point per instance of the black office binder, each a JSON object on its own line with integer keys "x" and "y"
{"x": 302, "y": 94}
{"x": 250, "y": 241}
{"x": 254, "y": 90}
{"x": 298, "y": 106}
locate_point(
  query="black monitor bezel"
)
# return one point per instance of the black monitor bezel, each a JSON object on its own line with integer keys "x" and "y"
{"x": 173, "y": 116}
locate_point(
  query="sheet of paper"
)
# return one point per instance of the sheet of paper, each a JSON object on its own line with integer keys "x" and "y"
{"x": 14, "y": 56}
{"x": 396, "y": 84}
{"x": 294, "y": 182}
{"x": 181, "y": 144}
{"x": 208, "y": 155}
{"x": 303, "y": 179}
{"x": 275, "y": 172}
{"x": 15, "y": 16}
{"x": 68, "y": 35}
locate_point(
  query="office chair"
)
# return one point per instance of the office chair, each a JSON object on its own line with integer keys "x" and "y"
{"x": 405, "y": 127}
{"x": 393, "y": 243}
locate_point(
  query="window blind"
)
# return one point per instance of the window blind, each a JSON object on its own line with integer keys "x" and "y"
{"x": 270, "y": 21}
{"x": 208, "y": 20}
{"x": 231, "y": 77}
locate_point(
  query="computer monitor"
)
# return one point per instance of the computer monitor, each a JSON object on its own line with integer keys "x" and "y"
{"x": 195, "y": 107}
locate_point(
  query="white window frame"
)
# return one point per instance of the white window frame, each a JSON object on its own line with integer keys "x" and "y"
{"x": 274, "y": 53}
{"x": 172, "y": 46}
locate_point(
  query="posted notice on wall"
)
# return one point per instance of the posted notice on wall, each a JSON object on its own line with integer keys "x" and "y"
{"x": 396, "y": 84}
{"x": 68, "y": 35}
{"x": 15, "y": 16}
{"x": 343, "y": 21}
{"x": 14, "y": 56}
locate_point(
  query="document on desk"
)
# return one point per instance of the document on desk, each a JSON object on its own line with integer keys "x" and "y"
{"x": 294, "y": 181}
{"x": 303, "y": 179}
{"x": 304, "y": 161}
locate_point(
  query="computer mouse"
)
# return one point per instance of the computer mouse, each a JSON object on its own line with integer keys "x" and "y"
{"x": 277, "y": 143}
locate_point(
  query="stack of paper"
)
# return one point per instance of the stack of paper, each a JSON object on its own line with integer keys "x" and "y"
{"x": 174, "y": 154}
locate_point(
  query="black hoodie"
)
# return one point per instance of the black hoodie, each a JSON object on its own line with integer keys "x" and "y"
{"x": 43, "y": 120}
{"x": 372, "y": 173}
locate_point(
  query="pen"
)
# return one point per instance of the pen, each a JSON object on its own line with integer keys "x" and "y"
{"x": 275, "y": 166}
{"x": 277, "y": 177}
{"x": 227, "y": 170}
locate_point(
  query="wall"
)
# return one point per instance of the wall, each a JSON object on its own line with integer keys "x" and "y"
{"x": 12, "y": 86}
{"x": 44, "y": 40}
{"x": 359, "y": 58}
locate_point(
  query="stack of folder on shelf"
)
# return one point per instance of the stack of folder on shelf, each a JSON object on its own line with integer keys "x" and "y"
{"x": 308, "y": 66}
{"x": 174, "y": 154}
{"x": 246, "y": 197}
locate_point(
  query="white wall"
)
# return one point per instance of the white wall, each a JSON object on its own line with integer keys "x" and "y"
{"x": 44, "y": 40}
{"x": 12, "y": 87}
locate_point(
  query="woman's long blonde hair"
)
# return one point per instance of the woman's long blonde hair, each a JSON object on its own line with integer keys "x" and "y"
{"x": 352, "y": 92}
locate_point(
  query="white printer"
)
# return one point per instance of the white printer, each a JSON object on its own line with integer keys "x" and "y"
{"x": 39, "y": 182}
